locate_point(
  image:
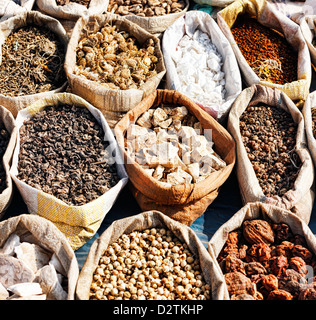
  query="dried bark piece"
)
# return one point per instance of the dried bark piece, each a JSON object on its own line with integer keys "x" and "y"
{"x": 258, "y": 231}
{"x": 279, "y": 295}
{"x": 14, "y": 271}
{"x": 238, "y": 283}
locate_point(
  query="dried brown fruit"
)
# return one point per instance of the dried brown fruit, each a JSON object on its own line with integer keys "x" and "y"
{"x": 253, "y": 268}
{"x": 307, "y": 294}
{"x": 281, "y": 232}
{"x": 258, "y": 231}
{"x": 302, "y": 252}
{"x": 237, "y": 283}
{"x": 232, "y": 263}
{"x": 285, "y": 249}
{"x": 278, "y": 264}
{"x": 279, "y": 295}
{"x": 233, "y": 238}
{"x": 259, "y": 252}
{"x": 243, "y": 296}
{"x": 270, "y": 282}
{"x": 298, "y": 264}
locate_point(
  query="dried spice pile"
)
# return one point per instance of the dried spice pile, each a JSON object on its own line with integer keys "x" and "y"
{"x": 63, "y": 153}
{"x": 4, "y": 140}
{"x": 145, "y": 8}
{"x": 152, "y": 264}
{"x": 115, "y": 59}
{"x": 267, "y": 52}
{"x": 264, "y": 260}
{"x": 269, "y": 136}
{"x": 32, "y": 62}
{"x": 64, "y": 2}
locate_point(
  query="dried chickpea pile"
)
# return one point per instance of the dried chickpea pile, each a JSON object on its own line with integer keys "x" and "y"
{"x": 145, "y": 8}
{"x": 267, "y": 52}
{"x": 269, "y": 136}
{"x": 264, "y": 260}
{"x": 115, "y": 59}
{"x": 148, "y": 265}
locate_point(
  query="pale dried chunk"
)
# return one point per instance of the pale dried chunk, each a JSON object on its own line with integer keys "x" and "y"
{"x": 194, "y": 170}
{"x": 34, "y": 256}
{"x": 159, "y": 172}
{"x": 149, "y": 171}
{"x": 186, "y": 132}
{"x": 151, "y": 139}
{"x": 213, "y": 160}
{"x": 206, "y": 170}
{"x": 179, "y": 113}
{"x": 135, "y": 130}
{"x": 4, "y": 294}
{"x": 26, "y": 289}
{"x": 145, "y": 119}
{"x": 12, "y": 242}
{"x": 48, "y": 280}
{"x": 179, "y": 177}
{"x": 13, "y": 270}
{"x": 164, "y": 152}
{"x": 165, "y": 124}
{"x": 159, "y": 115}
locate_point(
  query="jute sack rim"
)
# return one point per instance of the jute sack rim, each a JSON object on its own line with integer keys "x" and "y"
{"x": 306, "y": 172}
{"x": 141, "y": 35}
{"x": 72, "y": 10}
{"x": 142, "y": 221}
{"x": 9, "y": 122}
{"x": 260, "y": 9}
{"x": 49, "y": 237}
{"x": 258, "y": 210}
{"x": 21, "y": 20}
{"x": 175, "y": 194}
{"x": 307, "y": 113}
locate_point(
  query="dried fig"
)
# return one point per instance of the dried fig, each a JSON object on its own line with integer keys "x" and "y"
{"x": 278, "y": 265}
{"x": 270, "y": 282}
{"x": 258, "y": 231}
{"x": 279, "y": 295}
{"x": 307, "y": 294}
{"x": 237, "y": 283}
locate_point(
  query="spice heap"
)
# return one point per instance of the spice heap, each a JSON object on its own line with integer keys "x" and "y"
{"x": 4, "y": 140}
{"x": 30, "y": 272}
{"x": 115, "y": 59}
{"x": 269, "y": 136}
{"x": 32, "y": 62}
{"x": 149, "y": 265}
{"x": 169, "y": 142}
{"x": 267, "y": 52}
{"x": 64, "y": 2}
{"x": 264, "y": 260}
{"x": 145, "y": 8}
{"x": 63, "y": 153}
{"x": 199, "y": 64}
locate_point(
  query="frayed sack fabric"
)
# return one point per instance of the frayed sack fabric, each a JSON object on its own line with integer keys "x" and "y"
{"x": 72, "y": 10}
{"x": 265, "y": 14}
{"x": 253, "y": 211}
{"x": 6, "y": 195}
{"x": 16, "y": 103}
{"x": 187, "y": 25}
{"x": 78, "y": 223}
{"x": 139, "y": 222}
{"x": 299, "y": 199}
{"x": 113, "y": 103}
{"x": 309, "y": 106}
{"x": 45, "y": 234}
{"x": 10, "y": 8}
{"x": 183, "y": 202}
{"x": 157, "y": 24}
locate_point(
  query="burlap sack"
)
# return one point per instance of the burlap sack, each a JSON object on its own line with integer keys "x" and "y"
{"x": 310, "y": 104}
{"x": 157, "y": 24}
{"x": 50, "y": 238}
{"x": 271, "y": 18}
{"x": 72, "y": 10}
{"x": 258, "y": 211}
{"x": 78, "y": 223}
{"x": 14, "y": 104}
{"x": 299, "y": 199}
{"x": 185, "y": 202}
{"x": 6, "y": 195}
{"x": 112, "y": 103}
{"x": 142, "y": 221}
{"x": 187, "y": 25}
{"x": 10, "y": 8}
